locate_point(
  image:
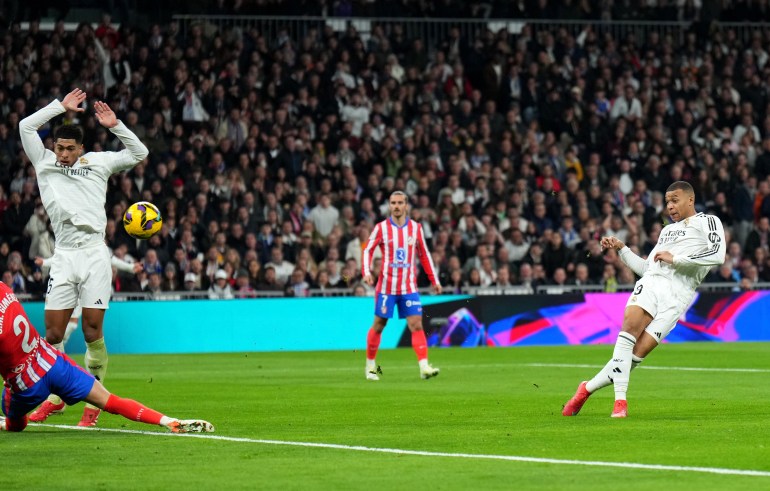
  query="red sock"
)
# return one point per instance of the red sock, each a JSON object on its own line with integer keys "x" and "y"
{"x": 132, "y": 410}
{"x": 372, "y": 344}
{"x": 420, "y": 344}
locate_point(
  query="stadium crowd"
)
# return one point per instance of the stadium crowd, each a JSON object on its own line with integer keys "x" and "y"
{"x": 272, "y": 158}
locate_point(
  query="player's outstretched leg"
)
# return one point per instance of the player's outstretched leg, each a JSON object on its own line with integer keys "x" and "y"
{"x": 137, "y": 411}
{"x": 574, "y": 405}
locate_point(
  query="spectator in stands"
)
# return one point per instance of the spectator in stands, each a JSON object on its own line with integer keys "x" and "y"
{"x": 220, "y": 289}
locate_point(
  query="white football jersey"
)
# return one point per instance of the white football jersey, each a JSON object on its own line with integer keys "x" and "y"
{"x": 697, "y": 244}
{"x": 74, "y": 196}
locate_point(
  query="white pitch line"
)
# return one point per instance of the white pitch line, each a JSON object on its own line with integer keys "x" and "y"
{"x": 425, "y": 453}
{"x": 653, "y": 367}
{"x": 546, "y": 365}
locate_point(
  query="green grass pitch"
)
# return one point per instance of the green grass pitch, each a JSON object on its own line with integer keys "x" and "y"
{"x": 486, "y": 402}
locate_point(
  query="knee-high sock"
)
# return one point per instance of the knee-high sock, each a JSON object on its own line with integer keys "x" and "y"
{"x": 130, "y": 409}
{"x": 420, "y": 345}
{"x": 372, "y": 344}
{"x": 624, "y": 347}
{"x": 96, "y": 360}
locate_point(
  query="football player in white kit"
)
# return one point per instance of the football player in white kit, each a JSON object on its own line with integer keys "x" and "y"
{"x": 73, "y": 188}
{"x": 686, "y": 250}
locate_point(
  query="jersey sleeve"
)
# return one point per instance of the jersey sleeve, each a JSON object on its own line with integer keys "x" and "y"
{"x": 425, "y": 259}
{"x": 714, "y": 247}
{"x": 636, "y": 263}
{"x": 374, "y": 240}
{"x": 122, "y": 265}
{"x": 134, "y": 152}
{"x": 30, "y": 140}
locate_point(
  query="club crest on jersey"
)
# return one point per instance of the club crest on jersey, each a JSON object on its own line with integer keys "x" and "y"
{"x": 410, "y": 240}
{"x": 83, "y": 161}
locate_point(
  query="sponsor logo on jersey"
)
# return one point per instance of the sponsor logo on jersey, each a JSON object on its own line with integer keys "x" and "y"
{"x": 408, "y": 303}
{"x": 69, "y": 171}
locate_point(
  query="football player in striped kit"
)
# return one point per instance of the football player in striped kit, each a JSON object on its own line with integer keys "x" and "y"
{"x": 686, "y": 250}
{"x": 401, "y": 242}
{"x": 32, "y": 369}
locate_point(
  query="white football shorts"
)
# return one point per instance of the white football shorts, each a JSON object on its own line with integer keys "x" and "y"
{"x": 656, "y": 296}
{"x": 83, "y": 274}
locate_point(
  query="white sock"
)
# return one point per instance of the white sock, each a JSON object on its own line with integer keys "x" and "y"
{"x": 423, "y": 363}
{"x": 621, "y": 359}
{"x": 96, "y": 361}
{"x": 608, "y": 374}
{"x": 635, "y": 361}
{"x": 165, "y": 420}
{"x": 371, "y": 365}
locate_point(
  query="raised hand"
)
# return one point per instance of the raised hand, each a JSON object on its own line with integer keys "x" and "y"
{"x": 105, "y": 115}
{"x": 73, "y": 100}
{"x": 612, "y": 243}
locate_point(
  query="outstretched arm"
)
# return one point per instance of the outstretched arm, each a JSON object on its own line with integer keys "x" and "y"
{"x": 636, "y": 263}
{"x": 135, "y": 150}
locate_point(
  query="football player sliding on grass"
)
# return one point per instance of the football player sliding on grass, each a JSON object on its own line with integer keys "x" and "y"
{"x": 32, "y": 369}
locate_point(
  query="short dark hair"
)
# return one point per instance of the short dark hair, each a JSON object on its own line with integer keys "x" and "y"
{"x": 681, "y": 185}
{"x": 69, "y": 132}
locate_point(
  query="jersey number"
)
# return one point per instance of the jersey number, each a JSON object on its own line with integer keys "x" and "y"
{"x": 638, "y": 289}
{"x": 17, "y": 324}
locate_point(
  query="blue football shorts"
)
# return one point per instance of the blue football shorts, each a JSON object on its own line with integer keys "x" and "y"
{"x": 65, "y": 379}
{"x": 408, "y": 305}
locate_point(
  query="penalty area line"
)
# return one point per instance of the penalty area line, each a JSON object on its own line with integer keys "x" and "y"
{"x": 425, "y": 453}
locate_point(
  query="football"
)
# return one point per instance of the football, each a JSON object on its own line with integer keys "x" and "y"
{"x": 142, "y": 220}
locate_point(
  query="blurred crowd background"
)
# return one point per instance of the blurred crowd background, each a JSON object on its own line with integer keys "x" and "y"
{"x": 273, "y": 155}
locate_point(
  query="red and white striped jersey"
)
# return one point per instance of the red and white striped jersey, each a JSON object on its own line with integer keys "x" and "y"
{"x": 24, "y": 356}
{"x": 400, "y": 247}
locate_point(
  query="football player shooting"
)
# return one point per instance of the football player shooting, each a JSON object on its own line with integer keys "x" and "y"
{"x": 32, "y": 369}
{"x": 401, "y": 241}
{"x": 73, "y": 188}
{"x": 686, "y": 250}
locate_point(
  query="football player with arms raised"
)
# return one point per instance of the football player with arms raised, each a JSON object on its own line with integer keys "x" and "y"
{"x": 73, "y": 188}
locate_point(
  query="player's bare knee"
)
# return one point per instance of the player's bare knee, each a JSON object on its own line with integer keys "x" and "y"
{"x": 414, "y": 326}
{"x": 54, "y": 335}
{"x": 379, "y": 324}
